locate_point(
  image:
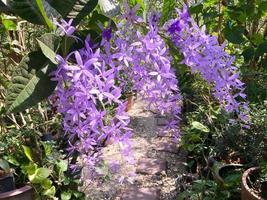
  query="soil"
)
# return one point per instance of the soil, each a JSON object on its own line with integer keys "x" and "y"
{"x": 147, "y": 147}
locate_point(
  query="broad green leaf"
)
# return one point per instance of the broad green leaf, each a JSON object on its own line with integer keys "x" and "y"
{"x": 74, "y": 9}
{"x": 248, "y": 54}
{"x": 262, "y": 49}
{"x": 31, "y": 82}
{"x": 257, "y": 38}
{"x": 200, "y": 126}
{"x": 167, "y": 10}
{"x": 196, "y": 8}
{"x": 29, "y": 10}
{"x": 50, "y": 192}
{"x": 234, "y": 34}
{"x": 11, "y": 159}
{"x": 62, "y": 165}
{"x": 43, "y": 13}
{"x": 49, "y": 44}
{"x": 30, "y": 169}
{"x": 65, "y": 195}
{"x": 28, "y": 152}
{"x": 40, "y": 175}
{"x": 46, "y": 184}
{"x": 4, "y": 165}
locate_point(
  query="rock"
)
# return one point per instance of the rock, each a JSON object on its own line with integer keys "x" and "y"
{"x": 151, "y": 166}
{"x": 169, "y": 147}
{"x": 135, "y": 193}
{"x": 161, "y": 121}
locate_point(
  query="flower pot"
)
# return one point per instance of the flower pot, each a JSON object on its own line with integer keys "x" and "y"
{"x": 7, "y": 183}
{"x": 247, "y": 193}
{"x": 47, "y": 137}
{"x": 23, "y": 193}
{"x": 220, "y": 169}
{"x": 130, "y": 102}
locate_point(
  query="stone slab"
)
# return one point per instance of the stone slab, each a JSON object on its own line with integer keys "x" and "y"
{"x": 151, "y": 166}
{"x": 161, "y": 121}
{"x": 135, "y": 193}
{"x": 165, "y": 146}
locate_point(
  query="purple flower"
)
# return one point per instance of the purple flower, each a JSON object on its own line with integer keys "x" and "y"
{"x": 66, "y": 27}
{"x": 130, "y": 14}
{"x": 203, "y": 54}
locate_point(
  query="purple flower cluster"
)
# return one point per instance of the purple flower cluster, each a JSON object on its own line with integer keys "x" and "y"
{"x": 86, "y": 92}
{"x": 146, "y": 61}
{"x": 203, "y": 54}
{"x": 91, "y": 80}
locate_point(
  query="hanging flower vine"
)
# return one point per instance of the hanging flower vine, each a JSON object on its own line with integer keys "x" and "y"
{"x": 92, "y": 80}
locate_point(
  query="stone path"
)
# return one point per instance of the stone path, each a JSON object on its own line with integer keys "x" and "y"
{"x": 158, "y": 164}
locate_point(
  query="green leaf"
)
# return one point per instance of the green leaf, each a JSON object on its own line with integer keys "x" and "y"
{"x": 12, "y": 160}
{"x": 43, "y": 13}
{"x": 50, "y": 192}
{"x": 234, "y": 34}
{"x": 262, "y": 49}
{"x": 48, "y": 148}
{"x": 200, "y": 126}
{"x": 9, "y": 25}
{"x": 28, "y": 152}
{"x": 3, "y": 81}
{"x": 65, "y": 195}
{"x": 257, "y": 38}
{"x": 78, "y": 194}
{"x": 49, "y": 44}
{"x": 40, "y": 175}
{"x": 248, "y": 54}
{"x": 62, "y": 165}
{"x": 4, "y": 165}
{"x": 74, "y": 9}
{"x": 167, "y": 10}
{"x": 29, "y": 10}
{"x": 30, "y": 169}
{"x": 31, "y": 82}
{"x": 46, "y": 184}
{"x": 196, "y": 8}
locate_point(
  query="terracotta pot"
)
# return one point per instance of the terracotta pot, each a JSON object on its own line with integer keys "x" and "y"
{"x": 23, "y": 193}
{"x": 247, "y": 192}
{"x": 130, "y": 102}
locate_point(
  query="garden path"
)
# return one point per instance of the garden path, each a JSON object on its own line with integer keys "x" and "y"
{"x": 158, "y": 162}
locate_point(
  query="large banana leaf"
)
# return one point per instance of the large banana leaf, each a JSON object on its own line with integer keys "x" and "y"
{"x": 31, "y": 11}
{"x": 37, "y": 11}
{"x": 74, "y": 9}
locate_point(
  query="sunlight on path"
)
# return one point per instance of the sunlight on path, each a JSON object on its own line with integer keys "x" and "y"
{"x": 158, "y": 162}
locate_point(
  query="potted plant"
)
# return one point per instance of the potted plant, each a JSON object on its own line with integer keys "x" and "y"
{"x": 8, "y": 190}
{"x": 254, "y": 183}
{"x": 226, "y": 175}
{"x": 7, "y": 182}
